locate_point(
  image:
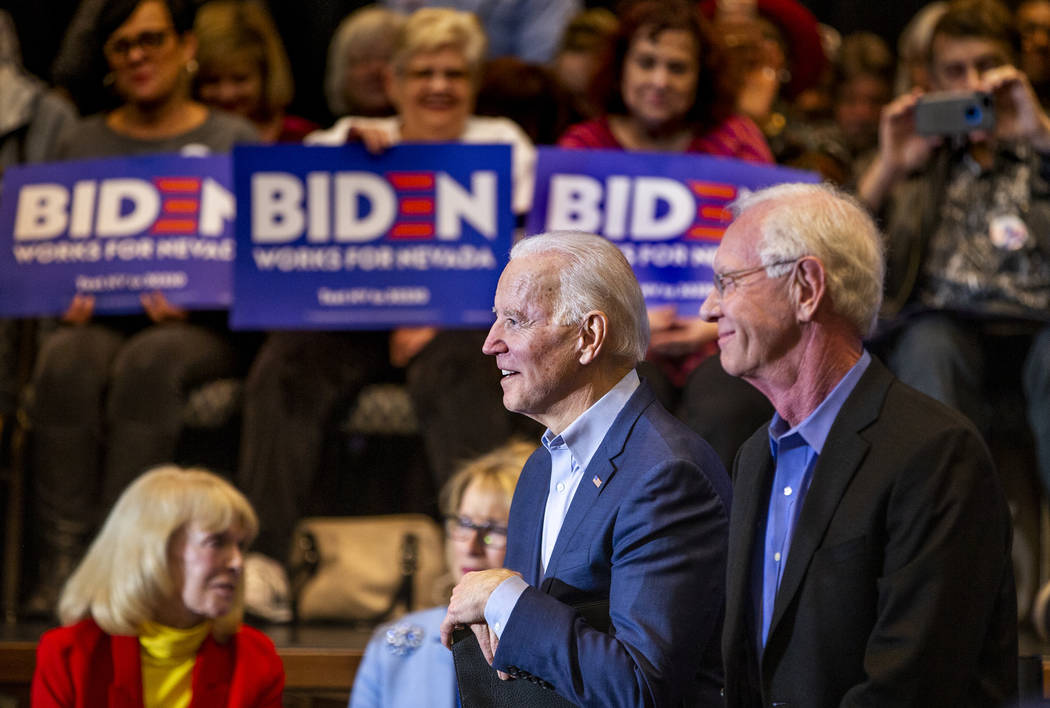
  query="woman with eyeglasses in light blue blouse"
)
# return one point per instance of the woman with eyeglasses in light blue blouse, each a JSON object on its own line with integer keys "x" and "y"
{"x": 405, "y": 664}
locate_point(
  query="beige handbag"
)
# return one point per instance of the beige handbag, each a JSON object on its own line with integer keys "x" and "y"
{"x": 365, "y": 568}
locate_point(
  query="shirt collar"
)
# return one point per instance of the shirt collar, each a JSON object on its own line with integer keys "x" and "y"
{"x": 815, "y": 428}
{"x": 163, "y": 642}
{"x": 585, "y": 434}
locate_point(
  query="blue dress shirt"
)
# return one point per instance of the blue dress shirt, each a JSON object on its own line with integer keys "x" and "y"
{"x": 795, "y": 452}
{"x": 571, "y": 453}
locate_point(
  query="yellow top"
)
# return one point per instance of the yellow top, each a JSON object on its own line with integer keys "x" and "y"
{"x": 168, "y": 655}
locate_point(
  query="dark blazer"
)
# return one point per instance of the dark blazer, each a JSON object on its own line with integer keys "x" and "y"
{"x": 82, "y": 666}
{"x": 898, "y": 588}
{"x": 646, "y": 532}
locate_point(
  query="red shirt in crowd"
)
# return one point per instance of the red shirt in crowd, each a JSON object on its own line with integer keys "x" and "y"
{"x": 737, "y": 136}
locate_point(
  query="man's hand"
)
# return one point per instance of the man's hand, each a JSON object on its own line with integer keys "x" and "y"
{"x": 671, "y": 335}
{"x": 489, "y": 642}
{"x": 900, "y": 147}
{"x": 467, "y": 607}
{"x": 901, "y": 150}
{"x": 406, "y": 342}
{"x": 160, "y": 309}
{"x": 375, "y": 140}
{"x": 1018, "y": 114}
{"x": 80, "y": 310}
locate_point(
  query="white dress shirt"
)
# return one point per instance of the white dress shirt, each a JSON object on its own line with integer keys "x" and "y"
{"x": 571, "y": 453}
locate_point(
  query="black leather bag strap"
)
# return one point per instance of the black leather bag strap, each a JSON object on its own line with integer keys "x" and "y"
{"x": 403, "y": 595}
{"x": 305, "y": 569}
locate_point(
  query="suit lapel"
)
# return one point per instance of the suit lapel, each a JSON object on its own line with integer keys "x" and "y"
{"x": 535, "y": 528}
{"x": 753, "y": 476}
{"x": 599, "y": 471}
{"x": 843, "y": 453}
{"x": 526, "y": 517}
{"x": 585, "y": 496}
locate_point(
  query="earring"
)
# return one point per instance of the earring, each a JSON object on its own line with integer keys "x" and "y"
{"x": 192, "y": 66}
{"x": 108, "y": 80}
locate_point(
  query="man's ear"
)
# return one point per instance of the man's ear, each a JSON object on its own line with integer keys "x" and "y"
{"x": 188, "y": 47}
{"x": 810, "y": 289}
{"x": 593, "y": 331}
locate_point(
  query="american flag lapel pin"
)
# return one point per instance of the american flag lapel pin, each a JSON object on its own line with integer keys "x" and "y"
{"x": 597, "y": 481}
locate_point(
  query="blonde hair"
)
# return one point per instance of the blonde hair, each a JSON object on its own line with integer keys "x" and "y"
{"x": 126, "y": 578}
{"x": 229, "y": 28}
{"x": 431, "y": 29}
{"x": 496, "y": 471}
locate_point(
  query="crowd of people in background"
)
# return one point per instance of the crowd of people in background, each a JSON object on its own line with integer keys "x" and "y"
{"x": 764, "y": 82}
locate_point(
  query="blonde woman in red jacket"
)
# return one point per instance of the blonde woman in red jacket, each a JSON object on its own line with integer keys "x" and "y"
{"x": 152, "y": 615}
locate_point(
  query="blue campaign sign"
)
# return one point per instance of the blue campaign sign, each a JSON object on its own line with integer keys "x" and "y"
{"x": 338, "y": 238}
{"x": 115, "y": 228}
{"x": 667, "y": 212}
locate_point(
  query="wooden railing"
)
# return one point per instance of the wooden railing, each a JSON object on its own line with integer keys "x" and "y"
{"x": 322, "y": 671}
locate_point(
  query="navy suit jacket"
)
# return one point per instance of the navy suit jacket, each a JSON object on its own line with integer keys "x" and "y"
{"x": 646, "y": 531}
{"x": 898, "y": 587}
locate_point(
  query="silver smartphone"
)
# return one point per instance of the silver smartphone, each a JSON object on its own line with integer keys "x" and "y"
{"x": 954, "y": 113}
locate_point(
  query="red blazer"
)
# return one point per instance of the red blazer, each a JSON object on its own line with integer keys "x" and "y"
{"x": 82, "y": 666}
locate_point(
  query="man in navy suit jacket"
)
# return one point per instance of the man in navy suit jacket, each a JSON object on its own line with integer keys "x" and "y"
{"x": 622, "y": 505}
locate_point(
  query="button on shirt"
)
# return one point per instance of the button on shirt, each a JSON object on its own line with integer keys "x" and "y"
{"x": 566, "y": 474}
{"x": 795, "y": 452}
{"x": 571, "y": 453}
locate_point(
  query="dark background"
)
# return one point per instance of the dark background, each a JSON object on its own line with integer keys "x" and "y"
{"x": 307, "y": 25}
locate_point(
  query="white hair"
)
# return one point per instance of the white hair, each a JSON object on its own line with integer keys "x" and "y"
{"x": 595, "y": 275}
{"x": 824, "y": 222}
{"x": 431, "y": 29}
{"x": 371, "y": 31}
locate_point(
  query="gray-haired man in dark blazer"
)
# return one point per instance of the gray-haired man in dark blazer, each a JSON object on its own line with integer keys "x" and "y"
{"x": 869, "y": 545}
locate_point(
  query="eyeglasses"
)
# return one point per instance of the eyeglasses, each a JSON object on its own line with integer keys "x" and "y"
{"x": 460, "y": 528}
{"x": 428, "y": 74}
{"x": 149, "y": 41}
{"x": 727, "y": 281}
{"x": 1030, "y": 29}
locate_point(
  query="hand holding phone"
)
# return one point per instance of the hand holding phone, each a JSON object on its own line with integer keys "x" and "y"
{"x": 1019, "y": 115}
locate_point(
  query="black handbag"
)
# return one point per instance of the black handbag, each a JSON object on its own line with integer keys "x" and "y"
{"x": 481, "y": 687}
